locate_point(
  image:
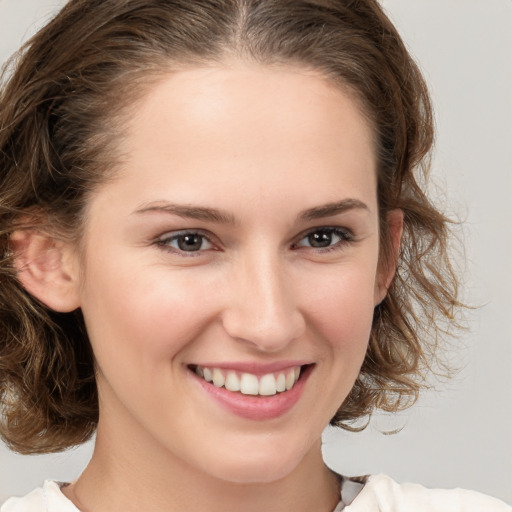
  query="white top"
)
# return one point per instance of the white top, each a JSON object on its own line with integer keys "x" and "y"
{"x": 379, "y": 494}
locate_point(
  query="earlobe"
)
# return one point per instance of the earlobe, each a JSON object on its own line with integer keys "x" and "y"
{"x": 46, "y": 269}
{"x": 389, "y": 260}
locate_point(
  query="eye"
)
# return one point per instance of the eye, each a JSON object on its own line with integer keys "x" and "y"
{"x": 325, "y": 238}
{"x": 185, "y": 241}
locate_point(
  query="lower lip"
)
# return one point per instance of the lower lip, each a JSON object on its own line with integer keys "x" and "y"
{"x": 256, "y": 407}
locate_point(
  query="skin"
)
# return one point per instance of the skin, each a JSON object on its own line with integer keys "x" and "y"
{"x": 263, "y": 145}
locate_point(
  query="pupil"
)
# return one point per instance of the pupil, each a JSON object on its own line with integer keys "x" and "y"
{"x": 190, "y": 242}
{"x": 320, "y": 239}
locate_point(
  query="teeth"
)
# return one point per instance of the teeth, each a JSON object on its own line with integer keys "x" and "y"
{"x": 218, "y": 378}
{"x": 281, "y": 383}
{"x": 207, "y": 373}
{"x": 249, "y": 384}
{"x": 290, "y": 379}
{"x": 232, "y": 381}
{"x": 267, "y": 385}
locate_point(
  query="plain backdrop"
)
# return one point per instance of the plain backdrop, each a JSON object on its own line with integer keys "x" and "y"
{"x": 461, "y": 434}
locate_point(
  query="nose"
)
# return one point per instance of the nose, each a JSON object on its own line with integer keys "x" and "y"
{"x": 262, "y": 307}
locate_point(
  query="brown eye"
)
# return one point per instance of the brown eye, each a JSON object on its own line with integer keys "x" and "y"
{"x": 326, "y": 238}
{"x": 185, "y": 242}
{"x": 320, "y": 239}
{"x": 190, "y": 242}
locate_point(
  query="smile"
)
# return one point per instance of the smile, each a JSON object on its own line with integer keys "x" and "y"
{"x": 248, "y": 383}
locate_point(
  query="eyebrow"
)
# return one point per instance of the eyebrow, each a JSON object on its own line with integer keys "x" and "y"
{"x": 190, "y": 212}
{"x": 330, "y": 209}
{"x": 222, "y": 217}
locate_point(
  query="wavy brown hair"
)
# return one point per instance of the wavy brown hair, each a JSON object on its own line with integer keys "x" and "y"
{"x": 62, "y": 103}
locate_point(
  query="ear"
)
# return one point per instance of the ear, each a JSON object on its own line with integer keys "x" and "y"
{"x": 47, "y": 268}
{"x": 389, "y": 260}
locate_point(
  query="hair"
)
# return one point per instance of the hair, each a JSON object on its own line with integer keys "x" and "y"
{"x": 62, "y": 102}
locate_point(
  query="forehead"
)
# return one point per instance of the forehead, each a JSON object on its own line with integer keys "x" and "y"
{"x": 282, "y": 129}
{"x": 256, "y": 99}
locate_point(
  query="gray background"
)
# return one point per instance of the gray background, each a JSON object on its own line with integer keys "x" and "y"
{"x": 460, "y": 435}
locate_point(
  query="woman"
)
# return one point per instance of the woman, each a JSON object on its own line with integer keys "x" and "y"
{"x": 204, "y": 207}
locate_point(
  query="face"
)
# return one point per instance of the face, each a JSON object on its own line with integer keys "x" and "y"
{"x": 239, "y": 244}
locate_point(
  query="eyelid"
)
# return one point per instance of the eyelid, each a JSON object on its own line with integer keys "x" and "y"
{"x": 347, "y": 236}
{"x": 163, "y": 241}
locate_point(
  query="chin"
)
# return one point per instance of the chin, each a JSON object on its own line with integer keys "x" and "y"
{"x": 258, "y": 466}
{"x": 248, "y": 472}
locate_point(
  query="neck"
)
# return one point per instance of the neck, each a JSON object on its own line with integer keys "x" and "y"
{"x": 132, "y": 477}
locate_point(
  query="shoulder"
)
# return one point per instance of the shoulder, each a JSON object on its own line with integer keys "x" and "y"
{"x": 48, "y": 498}
{"x": 383, "y": 494}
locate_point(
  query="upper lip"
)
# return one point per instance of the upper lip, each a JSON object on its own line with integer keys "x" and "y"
{"x": 253, "y": 367}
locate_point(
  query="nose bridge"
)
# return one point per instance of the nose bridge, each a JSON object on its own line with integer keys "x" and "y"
{"x": 263, "y": 309}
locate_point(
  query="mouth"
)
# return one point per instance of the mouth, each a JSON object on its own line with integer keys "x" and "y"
{"x": 253, "y": 392}
{"x": 246, "y": 383}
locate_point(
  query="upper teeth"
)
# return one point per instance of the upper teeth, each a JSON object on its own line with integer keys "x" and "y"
{"x": 248, "y": 383}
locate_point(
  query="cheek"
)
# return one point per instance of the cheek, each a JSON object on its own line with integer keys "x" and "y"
{"x": 340, "y": 307}
{"x": 145, "y": 315}
{"x": 343, "y": 306}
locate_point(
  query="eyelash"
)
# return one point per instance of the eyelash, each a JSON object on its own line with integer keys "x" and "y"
{"x": 345, "y": 237}
{"x": 165, "y": 241}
